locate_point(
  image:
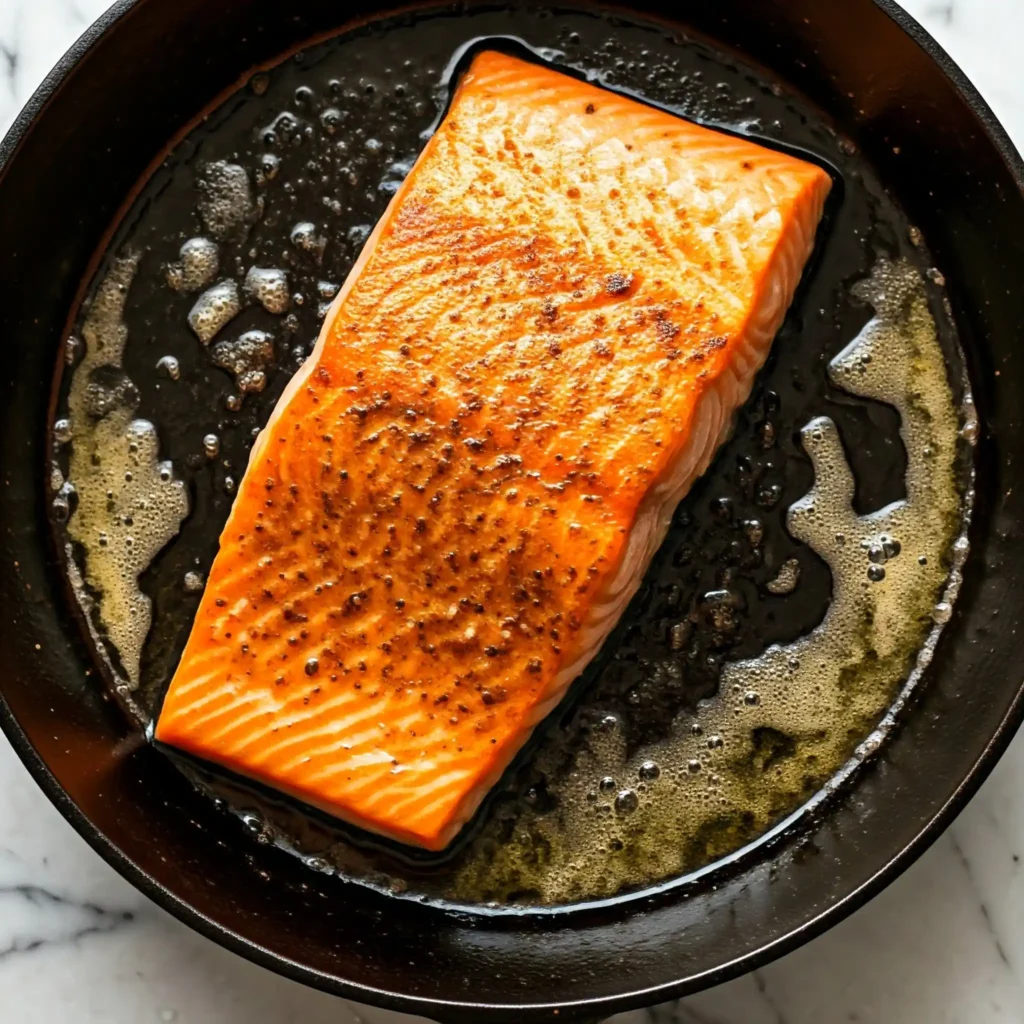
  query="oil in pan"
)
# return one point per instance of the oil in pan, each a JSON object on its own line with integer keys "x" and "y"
{"x": 804, "y": 576}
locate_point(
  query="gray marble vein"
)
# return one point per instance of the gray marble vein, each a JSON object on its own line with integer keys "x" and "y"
{"x": 777, "y": 1012}
{"x": 55, "y": 919}
{"x": 943, "y": 13}
{"x": 9, "y": 54}
{"x": 982, "y": 905}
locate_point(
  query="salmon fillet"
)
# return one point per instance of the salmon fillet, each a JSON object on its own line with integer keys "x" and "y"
{"x": 538, "y": 351}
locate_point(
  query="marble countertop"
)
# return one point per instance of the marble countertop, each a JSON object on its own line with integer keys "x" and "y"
{"x": 943, "y": 945}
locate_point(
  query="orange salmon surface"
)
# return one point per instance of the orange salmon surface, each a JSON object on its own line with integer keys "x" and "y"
{"x": 538, "y": 351}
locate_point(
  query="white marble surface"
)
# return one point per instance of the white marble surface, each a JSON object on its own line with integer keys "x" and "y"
{"x": 943, "y": 945}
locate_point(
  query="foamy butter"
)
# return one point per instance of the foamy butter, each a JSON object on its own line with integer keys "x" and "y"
{"x": 129, "y": 504}
{"x": 785, "y": 722}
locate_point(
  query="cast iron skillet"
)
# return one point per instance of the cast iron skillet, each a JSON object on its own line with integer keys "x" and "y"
{"x": 72, "y": 157}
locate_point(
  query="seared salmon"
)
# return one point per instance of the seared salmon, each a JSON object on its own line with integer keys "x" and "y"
{"x": 538, "y": 351}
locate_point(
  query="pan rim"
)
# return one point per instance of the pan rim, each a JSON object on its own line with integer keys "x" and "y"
{"x": 928, "y": 833}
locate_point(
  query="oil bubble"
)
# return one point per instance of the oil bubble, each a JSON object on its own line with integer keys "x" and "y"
{"x": 72, "y": 350}
{"x": 226, "y": 203}
{"x": 194, "y": 582}
{"x": 305, "y": 237}
{"x": 108, "y": 389}
{"x": 786, "y": 579}
{"x": 267, "y": 169}
{"x": 62, "y": 432}
{"x": 358, "y": 233}
{"x": 626, "y": 802}
{"x": 247, "y": 358}
{"x": 754, "y": 530}
{"x": 679, "y": 634}
{"x": 971, "y": 429}
{"x": 168, "y": 366}
{"x": 61, "y": 508}
{"x": 330, "y": 120}
{"x": 214, "y": 310}
{"x": 197, "y": 266}
{"x": 269, "y": 287}
{"x": 252, "y": 382}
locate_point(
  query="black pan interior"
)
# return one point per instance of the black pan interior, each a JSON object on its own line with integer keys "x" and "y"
{"x": 378, "y": 88}
{"x": 130, "y": 92}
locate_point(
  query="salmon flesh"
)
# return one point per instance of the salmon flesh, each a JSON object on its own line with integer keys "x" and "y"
{"x": 538, "y": 351}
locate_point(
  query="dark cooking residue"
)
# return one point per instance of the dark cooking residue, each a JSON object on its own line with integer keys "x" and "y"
{"x": 237, "y": 246}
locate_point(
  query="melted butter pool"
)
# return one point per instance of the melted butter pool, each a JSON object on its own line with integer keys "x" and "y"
{"x": 128, "y": 503}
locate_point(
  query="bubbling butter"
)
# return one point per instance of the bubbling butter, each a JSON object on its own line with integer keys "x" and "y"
{"x": 127, "y": 503}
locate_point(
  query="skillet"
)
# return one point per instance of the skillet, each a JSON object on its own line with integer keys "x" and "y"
{"x": 80, "y": 147}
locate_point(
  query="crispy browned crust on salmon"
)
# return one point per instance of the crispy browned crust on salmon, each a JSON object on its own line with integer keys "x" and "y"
{"x": 538, "y": 351}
